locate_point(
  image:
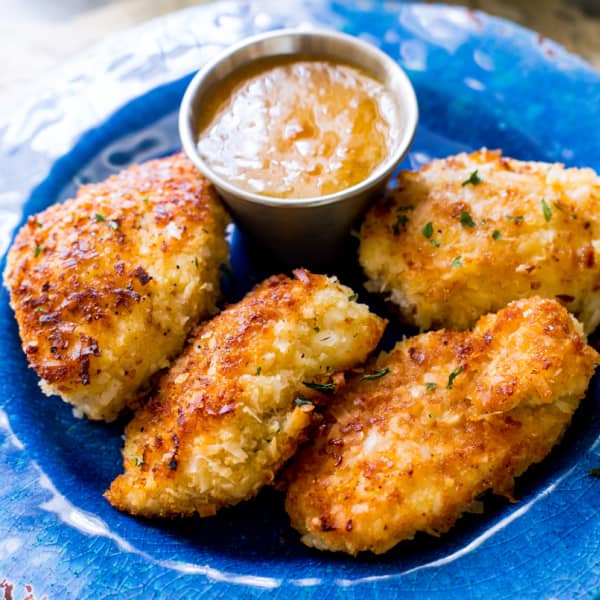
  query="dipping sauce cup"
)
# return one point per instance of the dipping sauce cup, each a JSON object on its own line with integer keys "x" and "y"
{"x": 301, "y": 230}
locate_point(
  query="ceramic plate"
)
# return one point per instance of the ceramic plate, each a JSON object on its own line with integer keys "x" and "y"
{"x": 480, "y": 81}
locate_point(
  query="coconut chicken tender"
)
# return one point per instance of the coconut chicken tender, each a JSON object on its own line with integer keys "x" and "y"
{"x": 467, "y": 234}
{"x": 234, "y": 406}
{"x": 442, "y": 418}
{"x": 106, "y": 286}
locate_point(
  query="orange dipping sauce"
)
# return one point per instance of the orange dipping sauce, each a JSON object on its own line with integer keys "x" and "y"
{"x": 294, "y": 127}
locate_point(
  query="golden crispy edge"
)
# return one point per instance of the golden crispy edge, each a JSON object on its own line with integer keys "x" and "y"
{"x": 497, "y": 405}
{"x": 54, "y": 254}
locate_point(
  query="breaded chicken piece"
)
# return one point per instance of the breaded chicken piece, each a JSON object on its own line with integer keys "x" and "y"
{"x": 234, "y": 406}
{"x": 467, "y": 234}
{"x": 436, "y": 422}
{"x": 106, "y": 286}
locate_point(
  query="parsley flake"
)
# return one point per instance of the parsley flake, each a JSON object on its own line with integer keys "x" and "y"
{"x": 38, "y": 224}
{"x": 324, "y": 388}
{"x": 353, "y": 298}
{"x": 431, "y": 386}
{"x": 496, "y": 235}
{"x": 546, "y": 210}
{"x": 401, "y": 221}
{"x": 37, "y": 251}
{"x": 427, "y": 230}
{"x": 300, "y": 401}
{"x": 453, "y": 376}
{"x": 473, "y": 179}
{"x": 317, "y": 329}
{"x": 376, "y": 375}
{"x": 113, "y": 224}
{"x": 138, "y": 461}
{"x": 466, "y": 220}
{"x": 258, "y": 370}
{"x": 99, "y": 218}
{"x": 435, "y": 243}
{"x": 516, "y": 219}
{"x": 457, "y": 262}
{"x": 431, "y": 416}
{"x": 196, "y": 263}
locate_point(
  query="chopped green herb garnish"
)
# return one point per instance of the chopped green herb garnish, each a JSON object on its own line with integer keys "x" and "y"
{"x": 496, "y": 234}
{"x": 431, "y": 416}
{"x": 546, "y": 210}
{"x": 324, "y": 388}
{"x": 401, "y": 221}
{"x": 427, "y": 230}
{"x": 196, "y": 263}
{"x": 113, "y": 225}
{"x": 466, "y": 220}
{"x": 482, "y": 222}
{"x": 317, "y": 329}
{"x": 473, "y": 179}
{"x": 376, "y": 375}
{"x": 37, "y": 251}
{"x": 353, "y": 298}
{"x": 145, "y": 200}
{"x": 457, "y": 262}
{"x": 299, "y": 401}
{"x": 435, "y": 243}
{"x": 258, "y": 370}
{"x": 138, "y": 461}
{"x": 453, "y": 376}
{"x": 38, "y": 309}
{"x": 516, "y": 219}
{"x": 557, "y": 206}
{"x": 39, "y": 224}
{"x": 405, "y": 208}
{"x": 99, "y": 218}
{"x": 430, "y": 386}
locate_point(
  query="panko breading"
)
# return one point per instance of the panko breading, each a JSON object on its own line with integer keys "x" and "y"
{"x": 467, "y": 234}
{"x": 106, "y": 286}
{"x": 451, "y": 415}
{"x": 233, "y": 407}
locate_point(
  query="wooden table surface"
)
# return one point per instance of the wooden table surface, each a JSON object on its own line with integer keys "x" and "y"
{"x": 38, "y": 35}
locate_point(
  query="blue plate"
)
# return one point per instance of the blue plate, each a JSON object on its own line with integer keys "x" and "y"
{"x": 480, "y": 81}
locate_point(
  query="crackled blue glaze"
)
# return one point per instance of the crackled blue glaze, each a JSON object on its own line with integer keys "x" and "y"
{"x": 479, "y": 81}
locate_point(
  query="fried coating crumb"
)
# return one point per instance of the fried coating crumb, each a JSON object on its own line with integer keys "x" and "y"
{"x": 234, "y": 406}
{"x": 467, "y": 234}
{"x": 457, "y": 414}
{"x": 106, "y": 286}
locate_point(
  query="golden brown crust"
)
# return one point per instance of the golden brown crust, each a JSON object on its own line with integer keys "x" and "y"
{"x": 527, "y": 228}
{"x": 224, "y": 418}
{"x": 403, "y": 453}
{"x": 83, "y": 273}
